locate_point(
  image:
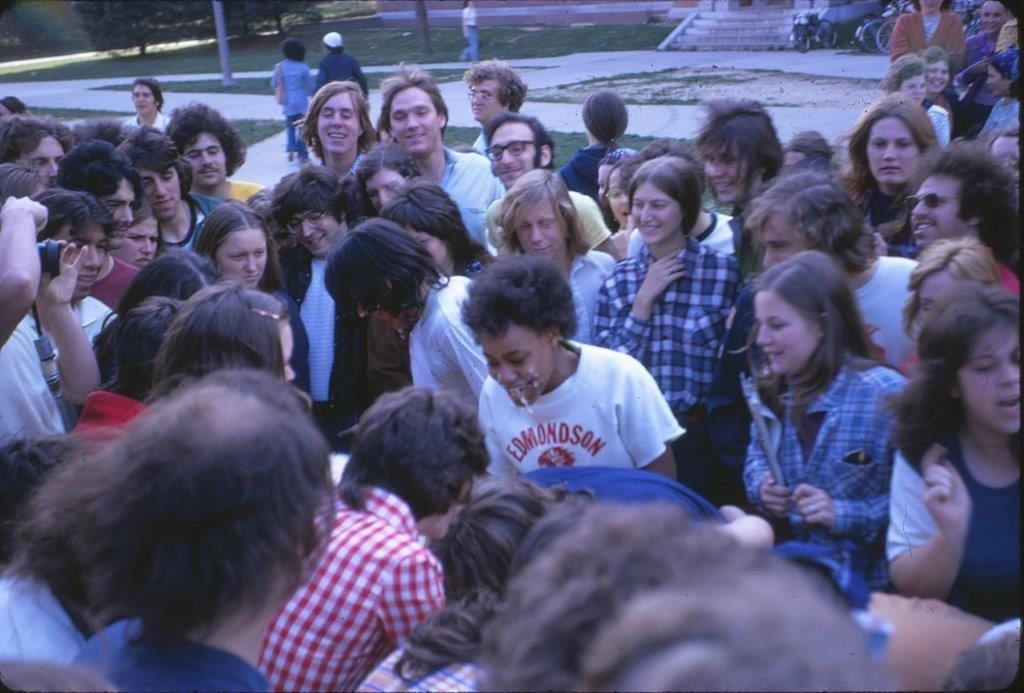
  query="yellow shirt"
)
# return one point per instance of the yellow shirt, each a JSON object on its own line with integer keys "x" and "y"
{"x": 242, "y": 191}
{"x": 591, "y": 221}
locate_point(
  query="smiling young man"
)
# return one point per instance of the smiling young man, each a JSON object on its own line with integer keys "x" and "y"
{"x": 965, "y": 192}
{"x": 741, "y": 151}
{"x": 97, "y": 168}
{"x": 415, "y": 115}
{"x": 213, "y": 148}
{"x": 520, "y": 144}
{"x": 37, "y": 142}
{"x": 313, "y": 205}
{"x": 337, "y": 127}
{"x": 494, "y": 88}
{"x": 65, "y": 313}
{"x": 166, "y": 179}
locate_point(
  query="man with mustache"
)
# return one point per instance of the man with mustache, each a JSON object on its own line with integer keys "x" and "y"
{"x": 166, "y": 179}
{"x": 214, "y": 150}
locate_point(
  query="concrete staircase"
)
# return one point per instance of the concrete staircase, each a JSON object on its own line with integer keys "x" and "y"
{"x": 746, "y": 29}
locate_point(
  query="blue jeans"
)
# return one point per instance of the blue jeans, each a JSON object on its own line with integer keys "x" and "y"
{"x": 294, "y": 143}
{"x": 472, "y": 51}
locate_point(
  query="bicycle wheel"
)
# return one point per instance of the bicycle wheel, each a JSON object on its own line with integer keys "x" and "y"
{"x": 884, "y": 34}
{"x": 826, "y": 34}
{"x": 866, "y": 35}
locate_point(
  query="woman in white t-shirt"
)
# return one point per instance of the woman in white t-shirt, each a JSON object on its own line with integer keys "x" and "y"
{"x": 550, "y": 402}
{"x": 541, "y": 221}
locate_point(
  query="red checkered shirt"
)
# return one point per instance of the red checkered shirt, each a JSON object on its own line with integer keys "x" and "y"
{"x": 373, "y": 583}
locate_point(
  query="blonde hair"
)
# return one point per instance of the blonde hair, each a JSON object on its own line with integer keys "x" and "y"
{"x": 535, "y": 187}
{"x": 325, "y": 94}
{"x": 964, "y": 258}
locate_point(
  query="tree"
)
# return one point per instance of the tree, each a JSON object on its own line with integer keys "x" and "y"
{"x": 114, "y": 24}
{"x": 246, "y": 16}
{"x": 421, "y": 22}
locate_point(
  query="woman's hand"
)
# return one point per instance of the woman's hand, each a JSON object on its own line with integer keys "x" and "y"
{"x": 945, "y": 494}
{"x": 660, "y": 274}
{"x": 815, "y": 505}
{"x": 774, "y": 497}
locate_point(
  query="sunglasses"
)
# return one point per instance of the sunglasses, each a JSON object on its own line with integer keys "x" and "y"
{"x": 931, "y": 201}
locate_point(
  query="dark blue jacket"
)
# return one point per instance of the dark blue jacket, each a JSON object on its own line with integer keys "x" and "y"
{"x": 728, "y": 415}
{"x": 580, "y": 172}
{"x": 339, "y": 66}
{"x": 349, "y": 394}
{"x": 300, "y": 341}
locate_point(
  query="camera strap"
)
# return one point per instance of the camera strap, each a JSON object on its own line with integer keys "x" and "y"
{"x": 51, "y": 373}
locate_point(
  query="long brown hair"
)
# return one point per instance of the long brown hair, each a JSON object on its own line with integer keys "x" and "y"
{"x": 229, "y": 217}
{"x": 815, "y": 287}
{"x": 927, "y": 409}
{"x": 857, "y": 177}
{"x": 221, "y": 326}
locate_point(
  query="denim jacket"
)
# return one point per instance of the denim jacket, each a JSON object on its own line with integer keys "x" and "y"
{"x": 851, "y": 461}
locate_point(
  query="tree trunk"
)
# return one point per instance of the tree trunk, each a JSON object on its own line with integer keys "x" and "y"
{"x": 142, "y": 48}
{"x": 421, "y": 21}
{"x": 279, "y": 20}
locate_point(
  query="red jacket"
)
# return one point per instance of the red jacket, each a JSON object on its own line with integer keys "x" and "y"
{"x": 106, "y": 415}
{"x": 908, "y": 37}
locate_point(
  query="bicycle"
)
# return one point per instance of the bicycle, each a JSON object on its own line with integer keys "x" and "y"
{"x": 883, "y": 36}
{"x": 809, "y": 29}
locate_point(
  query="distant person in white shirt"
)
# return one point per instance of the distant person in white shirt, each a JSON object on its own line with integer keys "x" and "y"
{"x": 551, "y": 402}
{"x": 148, "y": 99}
{"x": 472, "y": 50}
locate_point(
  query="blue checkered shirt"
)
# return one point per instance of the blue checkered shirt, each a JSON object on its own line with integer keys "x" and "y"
{"x": 679, "y": 342}
{"x": 851, "y": 461}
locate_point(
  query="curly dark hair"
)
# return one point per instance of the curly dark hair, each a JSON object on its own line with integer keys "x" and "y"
{"x": 14, "y": 105}
{"x": 188, "y": 123}
{"x": 148, "y": 148}
{"x": 105, "y": 129}
{"x": 926, "y": 409}
{"x": 986, "y": 192}
{"x": 293, "y": 49}
{"x": 97, "y": 168}
{"x": 519, "y": 290}
{"x": 312, "y": 189}
{"x": 421, "y": 445}
{"x": 426, "y": 207}
{"x": 20, "y": 134}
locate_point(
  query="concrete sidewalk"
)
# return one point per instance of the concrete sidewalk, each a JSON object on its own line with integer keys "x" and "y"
{"x": 267, "y": 162}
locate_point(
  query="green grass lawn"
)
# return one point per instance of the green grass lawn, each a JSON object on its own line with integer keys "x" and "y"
{"x": 566, "y": 143}
{"x": 260, "y": 85}
{"x": 370, "y": 46}
{"x": 252, "y": 130}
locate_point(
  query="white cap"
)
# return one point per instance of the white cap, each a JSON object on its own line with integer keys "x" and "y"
{"x": 333, "y": 40}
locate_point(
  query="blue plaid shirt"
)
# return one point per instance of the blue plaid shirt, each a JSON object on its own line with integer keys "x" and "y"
{"x": 851, "y": 461}
{"x": 679, "y": 342}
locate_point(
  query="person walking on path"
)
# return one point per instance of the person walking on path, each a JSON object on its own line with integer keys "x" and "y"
{"x": 339, "y": 66}
{"x": 472, "y": 50}
{"x": 293, "y": 83}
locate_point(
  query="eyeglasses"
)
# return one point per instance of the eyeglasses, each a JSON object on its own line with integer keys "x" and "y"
{"x": 931, "y": 201}
{"x": 481, "y": 95}
{"x": 309, "y": 219}
{"x": 515, "y": 148}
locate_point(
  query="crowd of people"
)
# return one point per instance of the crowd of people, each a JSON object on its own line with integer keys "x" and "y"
{"x": 731, "y": 413}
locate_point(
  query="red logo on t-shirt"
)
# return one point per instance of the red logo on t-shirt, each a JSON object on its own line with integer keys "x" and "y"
{"x": 556, "y": 457}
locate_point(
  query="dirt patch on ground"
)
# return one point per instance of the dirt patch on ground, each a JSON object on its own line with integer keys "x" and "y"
{"x": 691, "y": 86}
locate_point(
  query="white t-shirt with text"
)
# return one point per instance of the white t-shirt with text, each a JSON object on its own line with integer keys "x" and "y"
{"x": 609, "y": 413}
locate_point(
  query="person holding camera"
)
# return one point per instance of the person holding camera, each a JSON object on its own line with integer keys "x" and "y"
{"x": 20, "y": 219}
{"x": 47, "y": 364}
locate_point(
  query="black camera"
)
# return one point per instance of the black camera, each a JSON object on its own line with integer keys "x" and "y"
{"x": 49, "y": 257}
